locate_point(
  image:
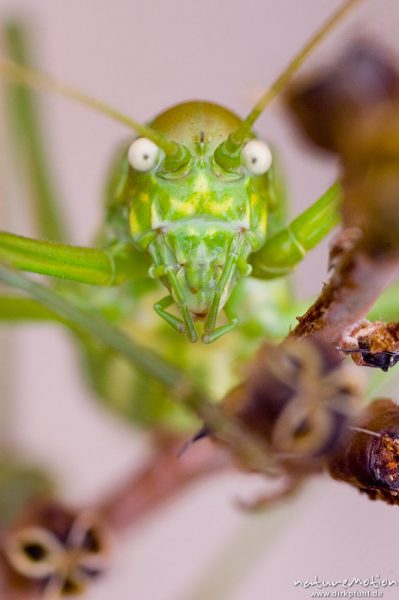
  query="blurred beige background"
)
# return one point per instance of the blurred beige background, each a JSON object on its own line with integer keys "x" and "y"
{"x": 143, "y": 57}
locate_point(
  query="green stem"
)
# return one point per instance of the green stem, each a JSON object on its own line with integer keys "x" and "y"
{"x": 18, "y": 309}
{"x": 29, "y": 138}
{"x": 85, "y": 265}
{"x": 92, "y": 323}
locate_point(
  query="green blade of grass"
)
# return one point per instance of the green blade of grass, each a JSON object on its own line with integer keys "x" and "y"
{"x": 92, "y": 323}
{"x": 29, "y": 139}
{"x": 17, "y": 309}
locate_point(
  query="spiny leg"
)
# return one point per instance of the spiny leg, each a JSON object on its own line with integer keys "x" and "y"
{"x": 210, "y": 337}
{"x": 211, "y": 332}
{"x": 185, "y": 325}
{"x": 160, "y": 308}
{"x": 286, "y": 249}
{"x": 215, "y": 306}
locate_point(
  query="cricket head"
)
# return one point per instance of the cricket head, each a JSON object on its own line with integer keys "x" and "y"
{"x": 201, "y": 219}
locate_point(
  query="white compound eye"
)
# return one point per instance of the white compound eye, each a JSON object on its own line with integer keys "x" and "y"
{"x": 257, "y": 157}
{"x": 143, "y": 154}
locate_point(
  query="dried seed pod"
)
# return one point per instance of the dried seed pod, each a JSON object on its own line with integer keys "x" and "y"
{"x": 369, "y": 459}
{"x": 58, "y": 550}
{"x": 364, "y": 80}
{"x": 373, "y": 344}
{"x": 352, "y": 109}
{"x": 371, "y": 203}
{"x": 298, "y": 399}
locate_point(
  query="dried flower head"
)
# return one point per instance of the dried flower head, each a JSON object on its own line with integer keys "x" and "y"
{"x": 298, "y": 399}
{"x": 59, "y": 550}
{"x": 373, "y": 344}
{"x": 369, "y": 459}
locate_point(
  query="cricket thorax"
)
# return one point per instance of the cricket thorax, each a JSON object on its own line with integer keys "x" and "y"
{"x": 207, "y": 258}
{"x": 199, "y": 224}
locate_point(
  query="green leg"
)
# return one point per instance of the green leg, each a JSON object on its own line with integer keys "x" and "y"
{"x": 212, "y": 332}
{"x": 84, "y": 265}
{"x": 228, "y": 271}
{"x": 285, "y": 249}
{"x": 160, "y": 308}
{"x": 214, "y": 335}
{"x": 182, "y": 326}
{"x": 187, "y": 318}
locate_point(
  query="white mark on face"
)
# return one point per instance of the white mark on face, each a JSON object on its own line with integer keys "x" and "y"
{"x": 201, "y": 184}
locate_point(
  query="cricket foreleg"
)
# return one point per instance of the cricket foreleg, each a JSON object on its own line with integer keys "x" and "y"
{"x": 160, "y": 308}
{"x": 286, "y": 249}
{"x": 228, "y": 271}
{"x": 185, "y": 325}
{"x": 232, "y": 318}
{"x": 85, "y": 265}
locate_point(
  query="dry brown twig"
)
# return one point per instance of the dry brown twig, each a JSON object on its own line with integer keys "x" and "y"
{"x": 354, "y": 110}
{"x": 160, "y": 480}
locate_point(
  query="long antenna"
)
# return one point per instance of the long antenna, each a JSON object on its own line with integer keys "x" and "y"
{"x": 238, "y": 137}
{"x": 37, "y": 79}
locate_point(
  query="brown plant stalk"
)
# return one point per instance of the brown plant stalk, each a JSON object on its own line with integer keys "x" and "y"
{"x": 166, "y": 474}
{"x": 351, "y": 110}
{"x": 355, "y": 284}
